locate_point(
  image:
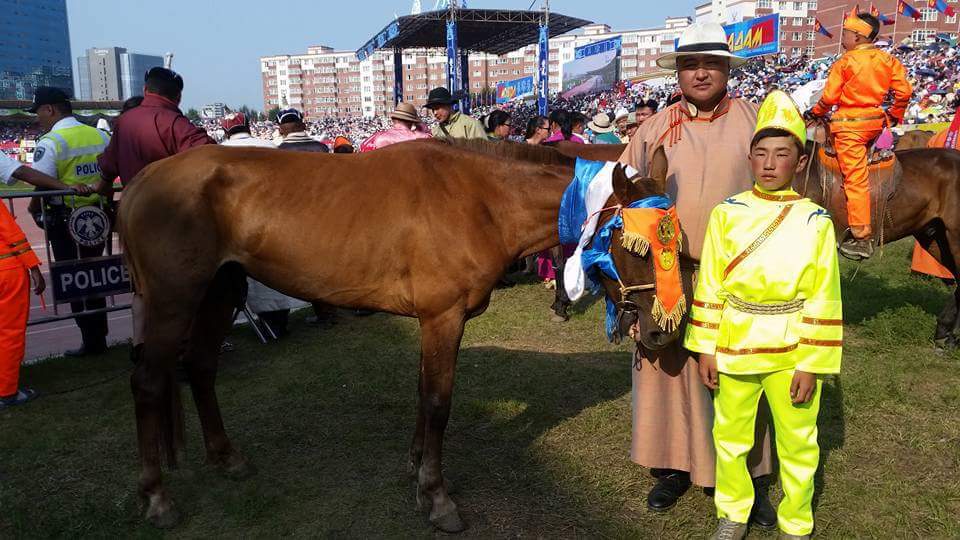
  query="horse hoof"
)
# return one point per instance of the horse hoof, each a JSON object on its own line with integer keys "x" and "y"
{"x": 167, "y": 518}
{"x": 236, "y": 467}
{"x": 449, "y": 522}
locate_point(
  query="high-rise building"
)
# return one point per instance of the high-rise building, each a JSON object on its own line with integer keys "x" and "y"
{"x": 113, "y": 73}
{"x": 35, "y": 41}
{"x": 325, "y": 82}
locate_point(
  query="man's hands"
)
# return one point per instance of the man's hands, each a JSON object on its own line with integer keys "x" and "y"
{"x": 103, "y": 187}
{"x": 708, "y": 371}
{"x": 36, "y": 279}
{"x": 802, "y": 386}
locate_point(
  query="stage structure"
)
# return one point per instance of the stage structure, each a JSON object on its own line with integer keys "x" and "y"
{"x": 461, "y": 31}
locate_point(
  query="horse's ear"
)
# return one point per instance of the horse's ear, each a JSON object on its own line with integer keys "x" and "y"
{"x": 623, "y": 187}
{"x": 658, "y": 169}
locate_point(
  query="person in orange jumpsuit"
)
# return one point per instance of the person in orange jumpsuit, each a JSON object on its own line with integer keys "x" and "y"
{"x": 18, "y": 266}
{"x": 857, "y": 86}
{"x": 923, "y": 261}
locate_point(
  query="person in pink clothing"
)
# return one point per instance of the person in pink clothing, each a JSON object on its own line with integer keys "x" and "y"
{"x": 407, "y": 126}
{"x": 561, "y": 127}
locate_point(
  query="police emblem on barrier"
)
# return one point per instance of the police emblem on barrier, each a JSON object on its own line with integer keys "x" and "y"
{"x": 89, "y": 226}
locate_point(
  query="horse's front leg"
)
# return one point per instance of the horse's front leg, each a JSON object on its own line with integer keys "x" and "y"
{"x": 152, "y": 385}
{"x": 416, "y": 447}
{"x": 440, "y": 342}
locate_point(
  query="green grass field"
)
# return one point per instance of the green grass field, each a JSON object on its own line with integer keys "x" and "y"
{"x": 537, "y": 445}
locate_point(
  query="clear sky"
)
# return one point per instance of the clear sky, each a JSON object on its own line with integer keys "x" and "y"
{"x": 217, "y": 43}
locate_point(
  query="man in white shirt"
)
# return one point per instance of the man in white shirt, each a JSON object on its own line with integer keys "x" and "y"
{"x": 270, "y": 305}
{"x": 12, "y": 170}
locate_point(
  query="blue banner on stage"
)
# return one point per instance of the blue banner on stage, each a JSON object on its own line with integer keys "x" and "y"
{"x": 510, "y": 90}
{"x": 612, "y": 44}
{"x": 543, "y": 75}
{"x": 453, "y": 73}
{"x": 378, "y": 41}
{"x": 397, "y": 76}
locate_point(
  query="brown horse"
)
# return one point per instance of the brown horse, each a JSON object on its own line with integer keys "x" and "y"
{"x": 916, "y": 138}
{"x": 422, "y": 229}
{"x": 917, "y": 195}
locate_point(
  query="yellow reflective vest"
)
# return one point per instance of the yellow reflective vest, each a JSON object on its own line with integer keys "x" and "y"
{"x": 77, "y": 148}
{"x": 768, "y": 290}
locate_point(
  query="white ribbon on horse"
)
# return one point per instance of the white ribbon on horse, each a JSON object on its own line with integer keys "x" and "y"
{"x": 575, "y": 280}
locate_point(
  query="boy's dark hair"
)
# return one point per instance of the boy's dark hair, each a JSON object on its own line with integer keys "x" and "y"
{"x": 767, "y": 133}
{"x": 873, "y": 22}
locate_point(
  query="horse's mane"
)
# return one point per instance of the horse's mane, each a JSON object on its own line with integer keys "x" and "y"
{"x": 532, "y": 153}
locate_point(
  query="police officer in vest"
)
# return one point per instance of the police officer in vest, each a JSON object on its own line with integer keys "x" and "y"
{"x": 68, "y": 151}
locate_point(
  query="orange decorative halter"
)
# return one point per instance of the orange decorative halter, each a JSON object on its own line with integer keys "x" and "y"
{"x": 657, "y": 232}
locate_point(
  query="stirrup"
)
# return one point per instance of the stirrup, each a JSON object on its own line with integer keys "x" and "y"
{"x": 854, "y": 248}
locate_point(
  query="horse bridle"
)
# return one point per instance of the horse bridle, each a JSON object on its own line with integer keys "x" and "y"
{"x": 624, "y": 305}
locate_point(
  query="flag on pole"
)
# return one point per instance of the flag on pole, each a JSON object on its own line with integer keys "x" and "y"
{"x": 887, "y": 21}
{"x": 907, "y": 10}
{"x": 953, "y": 132}
{"x": 820, "y": 29}
{"x": 942, "y": 7}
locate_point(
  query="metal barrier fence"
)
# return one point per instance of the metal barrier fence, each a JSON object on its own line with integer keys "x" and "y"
{"x": 81, "y": 278}
{"x": 88, "y": 278}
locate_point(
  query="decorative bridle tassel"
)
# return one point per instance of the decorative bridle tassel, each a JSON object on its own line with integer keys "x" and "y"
{"x": 635, "y": 243}
{"x": 668, "y": 322}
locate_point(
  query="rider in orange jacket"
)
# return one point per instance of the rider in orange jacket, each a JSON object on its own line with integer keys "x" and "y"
{"x": 857, "y": 86}
{"x": 18, "y": 265}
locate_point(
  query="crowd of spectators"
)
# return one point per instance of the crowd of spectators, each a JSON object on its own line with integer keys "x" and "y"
{"x": 933, "y": 69}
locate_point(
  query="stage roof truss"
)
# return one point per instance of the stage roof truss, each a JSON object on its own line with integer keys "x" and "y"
{"x": 491, "y": 31}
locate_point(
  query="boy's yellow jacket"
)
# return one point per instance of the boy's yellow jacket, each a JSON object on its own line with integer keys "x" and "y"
{"x": 768, "y": 290}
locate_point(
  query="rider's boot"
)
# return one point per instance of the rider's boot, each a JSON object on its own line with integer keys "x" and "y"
{"x": 858, "y": 243}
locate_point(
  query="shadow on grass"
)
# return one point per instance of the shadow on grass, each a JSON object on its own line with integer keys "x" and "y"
{"x": 832, "y": 430}
{"x": 867, "y": 295}
{"x": 327, "y": 417}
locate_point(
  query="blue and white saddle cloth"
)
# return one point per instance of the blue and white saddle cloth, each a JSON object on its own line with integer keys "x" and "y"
{"x": 592, "y": 185}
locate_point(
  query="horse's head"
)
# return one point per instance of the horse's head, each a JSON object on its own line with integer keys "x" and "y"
{"x": 648, "y": 298}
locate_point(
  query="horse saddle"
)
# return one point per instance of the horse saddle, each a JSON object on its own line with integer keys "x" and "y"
{"x": 876, "y": 157}
{"x": 883, "y": 173}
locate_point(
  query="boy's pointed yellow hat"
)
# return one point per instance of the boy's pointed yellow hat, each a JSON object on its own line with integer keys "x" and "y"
{"x": 780, "y": 112}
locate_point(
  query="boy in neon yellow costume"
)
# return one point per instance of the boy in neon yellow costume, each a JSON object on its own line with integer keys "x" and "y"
{"x": 767, "y": 317}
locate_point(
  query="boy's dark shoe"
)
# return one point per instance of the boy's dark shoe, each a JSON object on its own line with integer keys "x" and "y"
{"x": 671, "y": 485}
{"x": 857, "y": 250}
{"x": 763, "y": 514}
{"x": 729, "y": 530}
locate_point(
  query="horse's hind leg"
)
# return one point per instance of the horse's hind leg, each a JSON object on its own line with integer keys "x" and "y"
{"x": 213, "y": 321}
{"x": 152, "y": 384}
{"x": 943, "y": 245}
{"x": 440, "y": 341}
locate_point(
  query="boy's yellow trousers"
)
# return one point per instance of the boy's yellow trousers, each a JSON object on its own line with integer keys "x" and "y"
{"x": 735, "y": 404}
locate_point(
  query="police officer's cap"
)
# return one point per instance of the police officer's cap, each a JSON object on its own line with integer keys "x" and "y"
{"x": 47, "y": 95}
